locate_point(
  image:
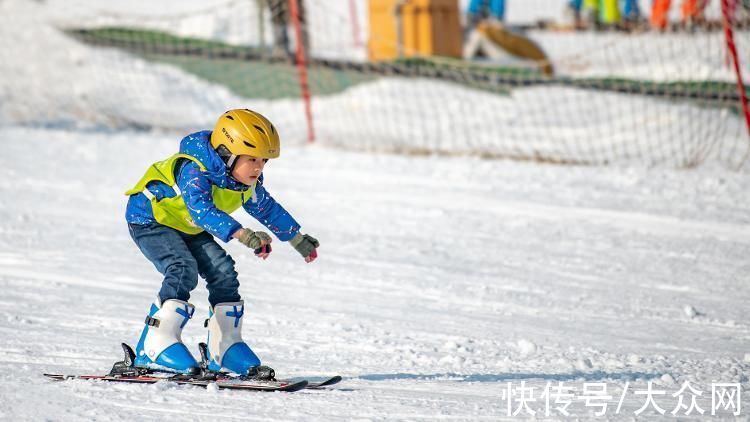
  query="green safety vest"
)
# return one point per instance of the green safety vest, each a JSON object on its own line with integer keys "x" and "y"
{"x": 173, "y": 212}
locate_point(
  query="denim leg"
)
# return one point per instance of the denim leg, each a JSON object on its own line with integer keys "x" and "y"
{"x": 216, "y": 267}
{"x": 166, "y": 249}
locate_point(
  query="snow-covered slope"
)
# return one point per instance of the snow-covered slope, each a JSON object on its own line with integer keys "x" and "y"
{"x": 440, "y": 281}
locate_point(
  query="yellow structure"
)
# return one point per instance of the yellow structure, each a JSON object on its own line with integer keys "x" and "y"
{"x": 408, "y": 28}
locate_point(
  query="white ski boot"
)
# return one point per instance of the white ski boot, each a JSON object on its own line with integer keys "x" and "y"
{"x": 160, "y": 346}
{"x": 226, "y": 349}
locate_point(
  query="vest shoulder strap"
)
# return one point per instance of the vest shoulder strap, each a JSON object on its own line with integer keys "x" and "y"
{"x": 162, "y": 171}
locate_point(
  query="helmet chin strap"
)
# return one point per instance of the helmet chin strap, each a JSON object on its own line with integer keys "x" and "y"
{"x": 229, "y": 159}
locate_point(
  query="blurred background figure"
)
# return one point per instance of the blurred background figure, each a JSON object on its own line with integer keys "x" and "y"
{"x": 573, "y": 10}
{"x": 691, "y": 13}
{"x": 659, "y": 12}
{"x": 631, "y": 14}
{"x": 480, "y": 10}
{"x": 604, "y": 13}
{"x": 591, "y": 13}
{"x": 281, "y": 18}
{"x": 609, "y": 12}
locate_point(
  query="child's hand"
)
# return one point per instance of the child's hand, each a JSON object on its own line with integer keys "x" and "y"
{"x": 263, "y": 251}
{"x": 259, "y": 241}
{"x": 306, "y": 245}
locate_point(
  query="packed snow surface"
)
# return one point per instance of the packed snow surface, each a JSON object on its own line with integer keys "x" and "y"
{"x": 439, "y": 281}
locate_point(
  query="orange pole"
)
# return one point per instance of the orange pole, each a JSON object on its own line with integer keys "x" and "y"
{"x": 300, "y": 56}
{"x": 728, "y": 18}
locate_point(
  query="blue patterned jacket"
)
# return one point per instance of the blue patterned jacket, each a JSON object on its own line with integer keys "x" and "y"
{"x": 196, "y": 186}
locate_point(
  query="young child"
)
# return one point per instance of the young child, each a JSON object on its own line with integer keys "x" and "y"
{"x": 175, "y": 211}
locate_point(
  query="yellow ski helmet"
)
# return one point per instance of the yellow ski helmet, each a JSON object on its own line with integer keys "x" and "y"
{"x": 245, "y": 132}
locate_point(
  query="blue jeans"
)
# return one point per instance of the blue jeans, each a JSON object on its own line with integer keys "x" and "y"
{"x": 181, "y": 257}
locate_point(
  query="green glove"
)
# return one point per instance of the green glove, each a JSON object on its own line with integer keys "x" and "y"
{"x": 253, "y": 239}
{"x": 305, "y": 245}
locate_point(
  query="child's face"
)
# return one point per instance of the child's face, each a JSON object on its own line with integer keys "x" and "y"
{"x": 247, "y": 169}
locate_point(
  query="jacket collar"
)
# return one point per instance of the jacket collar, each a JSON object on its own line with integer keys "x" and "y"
{"x": 199, "y": 146}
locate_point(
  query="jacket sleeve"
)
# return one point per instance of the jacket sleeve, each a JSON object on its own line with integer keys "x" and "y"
{"x": 196, "y": 192}
{"x": 271, "y": 214}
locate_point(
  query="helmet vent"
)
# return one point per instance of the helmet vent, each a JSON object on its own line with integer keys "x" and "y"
{"x": 260, "y": 129}
{"x": 249, "y": 144}
{"x": 229, "y": 117}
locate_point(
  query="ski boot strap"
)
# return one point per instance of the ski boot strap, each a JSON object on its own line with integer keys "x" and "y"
{"x": 152, "y": 322}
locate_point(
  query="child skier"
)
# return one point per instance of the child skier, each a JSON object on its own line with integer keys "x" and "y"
{"x": 175, "y": 211}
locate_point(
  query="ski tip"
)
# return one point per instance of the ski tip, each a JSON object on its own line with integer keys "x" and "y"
{"x": 295, "y": 386}
{"x": 268, "y": 386}
{"x": 334, "y": 380}
{"x": 330, "y": 381}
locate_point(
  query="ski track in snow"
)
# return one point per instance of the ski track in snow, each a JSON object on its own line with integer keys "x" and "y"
{"x": 440, "y": 281}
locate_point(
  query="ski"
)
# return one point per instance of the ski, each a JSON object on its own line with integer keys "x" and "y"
{"x": 203, "y": 349}
{"x": 262, "y": 379}
{"x": 227, "y": 383}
